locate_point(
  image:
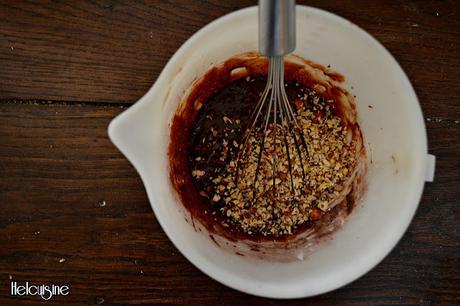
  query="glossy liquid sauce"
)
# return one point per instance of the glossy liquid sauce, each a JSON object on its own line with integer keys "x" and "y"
{"x": 220, "y": 95}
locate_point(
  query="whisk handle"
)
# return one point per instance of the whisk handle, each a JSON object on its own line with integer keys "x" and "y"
{"x": 276, "y": 27}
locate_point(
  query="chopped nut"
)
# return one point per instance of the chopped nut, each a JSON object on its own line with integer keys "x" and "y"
{"x": 315, "y": 214}
{"x": 267, "y": 204}
{"x": 227, "y": 120}
{"x": 323, "y": 206}
{"x": 198, "y": 173}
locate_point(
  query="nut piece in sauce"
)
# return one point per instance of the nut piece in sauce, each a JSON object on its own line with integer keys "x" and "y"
{"x": 268, "y": 206}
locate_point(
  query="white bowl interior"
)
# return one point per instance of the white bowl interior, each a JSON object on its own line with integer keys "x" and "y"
{"x": 393, "y": 130}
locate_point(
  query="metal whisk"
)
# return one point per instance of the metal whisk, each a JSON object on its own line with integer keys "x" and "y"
{"x": 273, "y": 138}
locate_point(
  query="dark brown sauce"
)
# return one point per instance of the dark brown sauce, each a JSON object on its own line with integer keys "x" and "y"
{"x": 220, "y": 93}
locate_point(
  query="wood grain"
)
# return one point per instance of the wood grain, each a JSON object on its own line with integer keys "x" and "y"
{"x": 82, "y": 63}
{"x": 114, "y": 50}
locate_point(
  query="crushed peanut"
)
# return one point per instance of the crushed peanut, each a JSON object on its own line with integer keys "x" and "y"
{"x": 294, "y": 183}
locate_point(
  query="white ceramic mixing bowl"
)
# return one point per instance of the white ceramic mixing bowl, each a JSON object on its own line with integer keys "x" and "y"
{"x": 393, "y": 130}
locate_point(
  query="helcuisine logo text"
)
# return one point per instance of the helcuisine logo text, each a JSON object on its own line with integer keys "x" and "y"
{"x": 46, "y": 292}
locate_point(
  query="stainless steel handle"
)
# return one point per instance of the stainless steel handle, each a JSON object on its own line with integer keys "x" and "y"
{"x": 276, "y": 27}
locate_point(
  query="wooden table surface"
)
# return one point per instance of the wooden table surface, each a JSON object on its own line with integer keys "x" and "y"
{"x": 73, "y": 209}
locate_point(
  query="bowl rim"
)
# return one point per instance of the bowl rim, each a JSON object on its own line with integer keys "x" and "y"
{"x": 242, "y": 285}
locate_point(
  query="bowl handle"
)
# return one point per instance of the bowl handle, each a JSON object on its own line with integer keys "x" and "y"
{"x": 430, "y": 167}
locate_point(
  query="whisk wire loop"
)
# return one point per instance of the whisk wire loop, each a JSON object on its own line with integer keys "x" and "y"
{"x": 273, "y": 117}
